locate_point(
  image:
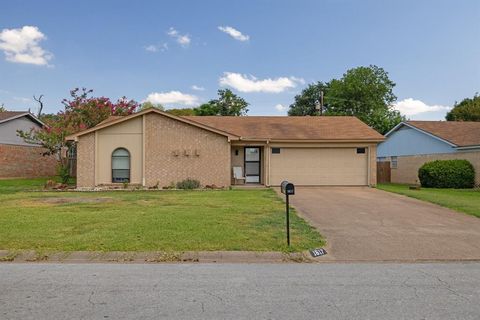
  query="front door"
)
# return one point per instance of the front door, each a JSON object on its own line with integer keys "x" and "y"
{"x": 252, "y": 164}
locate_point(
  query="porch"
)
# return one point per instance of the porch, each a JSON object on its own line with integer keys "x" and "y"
{"x": 251, "y": 158}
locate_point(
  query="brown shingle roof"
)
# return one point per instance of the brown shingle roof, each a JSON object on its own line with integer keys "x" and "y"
{"x": 291, "y": 128}
{"x": 10, "y": 114}
{"x": 460, "y": 133}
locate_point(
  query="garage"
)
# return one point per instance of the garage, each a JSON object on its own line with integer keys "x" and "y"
{"x": 319, "y": 166}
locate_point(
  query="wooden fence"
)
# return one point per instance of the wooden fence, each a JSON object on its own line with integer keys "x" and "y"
{"x": 383, "y": 172}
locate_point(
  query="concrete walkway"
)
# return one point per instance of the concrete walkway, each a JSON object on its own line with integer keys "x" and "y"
{"x": 365, "y": 224}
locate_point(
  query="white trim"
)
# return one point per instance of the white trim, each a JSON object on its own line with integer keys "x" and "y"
{"x": 31, "y": 116}
{"x": 420, "y": 130}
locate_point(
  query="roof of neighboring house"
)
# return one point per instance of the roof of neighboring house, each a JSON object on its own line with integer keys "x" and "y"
{"x": 266, "y": 128}
{"x": 292, "y": 128}
{"x": 10, "y": 115}
{"x": 458, "y": 133}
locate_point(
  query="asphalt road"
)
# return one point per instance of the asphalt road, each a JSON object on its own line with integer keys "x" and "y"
{"x": 240, "y": 291}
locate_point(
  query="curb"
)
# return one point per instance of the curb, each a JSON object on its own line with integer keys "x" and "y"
{"x": 32, "y": 256}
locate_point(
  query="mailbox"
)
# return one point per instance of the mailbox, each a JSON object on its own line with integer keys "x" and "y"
{"x": 287, "y": 188}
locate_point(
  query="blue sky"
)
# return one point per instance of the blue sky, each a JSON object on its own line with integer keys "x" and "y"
{"x": 160, "y": 49}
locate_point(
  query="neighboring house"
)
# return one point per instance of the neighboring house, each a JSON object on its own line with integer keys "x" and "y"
{"x": 152, "y": 148}
{"x": 412, "y": 143}
{"x": 18, "y": 158}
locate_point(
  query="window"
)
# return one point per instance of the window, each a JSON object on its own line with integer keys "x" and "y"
{"x": 393, "y": 162}
{"x": 275, "y": 150}
{"x": 360, "y": 150}
{"x": 121, "y": 165}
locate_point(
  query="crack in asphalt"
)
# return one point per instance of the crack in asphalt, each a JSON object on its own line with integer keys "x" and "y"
{"x": 445, "y": 285}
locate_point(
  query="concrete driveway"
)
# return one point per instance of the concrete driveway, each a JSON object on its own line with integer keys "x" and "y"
{"x": 368, "y": 224}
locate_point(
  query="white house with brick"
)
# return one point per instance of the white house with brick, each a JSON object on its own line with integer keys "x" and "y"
{"x": 18, "y": 158}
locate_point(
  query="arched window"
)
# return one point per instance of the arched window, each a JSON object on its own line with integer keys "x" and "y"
{"x": 121, "y": 165}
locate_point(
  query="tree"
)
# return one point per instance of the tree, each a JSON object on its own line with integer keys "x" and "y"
{"x": 227, "y": 104}
{"x": 148, "y": 105}
{"x": 181, "y": 112}
{"x": 367, "y": 93}
{"x": 2, "y": 108}
{"x": 467, "y": 110}
{"x": 40, "y": 104}
{"x": 364, "y": 92}
{"x": 80, "y": 113}
{"x": 305, "y": 102}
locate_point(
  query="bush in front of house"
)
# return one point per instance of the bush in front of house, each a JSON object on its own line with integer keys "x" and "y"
{"x": 188, "y": 184}
{"x": 456, "y": 174}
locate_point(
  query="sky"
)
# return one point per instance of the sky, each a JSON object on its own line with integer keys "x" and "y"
{"x": 179, "y": 53}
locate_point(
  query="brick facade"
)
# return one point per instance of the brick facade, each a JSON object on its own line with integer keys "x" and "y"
{"x": 86, "y": 161}
{"x": 407, "y": 166}
{"x": 175, "y": 151}
{"x": 25, "y": 162}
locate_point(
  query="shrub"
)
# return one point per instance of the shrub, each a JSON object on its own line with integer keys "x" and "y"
{"x": 188, "y": 184}
{"x": 447, "y": 174}
{"x": 63, "y": 172}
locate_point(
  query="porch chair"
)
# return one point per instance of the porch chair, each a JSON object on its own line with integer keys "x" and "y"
{"x": 237, "y": 174}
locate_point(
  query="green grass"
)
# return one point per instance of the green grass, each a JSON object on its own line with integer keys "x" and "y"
{"x": 463, "y": 200}
{"x": 250, "y": 220}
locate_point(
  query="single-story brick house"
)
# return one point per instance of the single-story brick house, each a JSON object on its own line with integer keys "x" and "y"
{"x": 152, "y": 148}
{"x": 412, "y": 143}
{"x": 19, "y": 159}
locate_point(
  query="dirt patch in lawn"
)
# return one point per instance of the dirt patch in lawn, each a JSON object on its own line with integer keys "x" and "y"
{"x": 59, "y": 200}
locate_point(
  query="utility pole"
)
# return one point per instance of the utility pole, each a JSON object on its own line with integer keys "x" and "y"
{"x": 319, "y": 104}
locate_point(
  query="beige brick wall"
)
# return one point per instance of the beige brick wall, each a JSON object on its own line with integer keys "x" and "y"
{"x": 407, "y": 168}
{"x": 164, "y": 137}
{"x": 18, "y": 161}
{"x": 86, "y": 161}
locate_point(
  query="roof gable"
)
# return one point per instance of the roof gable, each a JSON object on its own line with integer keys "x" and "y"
{"x": 12, "y": 115}
{"x": 113, "y": 120}
{"x": 454, "y": 133}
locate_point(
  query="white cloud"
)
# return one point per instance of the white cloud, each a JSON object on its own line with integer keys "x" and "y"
{"x": 22, "y": 46}
{"x": 155, "y": 48}
{"x": 22, "y": 99}
{"x": 172, "y": 97}
{"x": 197, "y": 88}
{"x": 234, "y": 33}
{"x": 280, "y": 107}
{"x": 411, "y": 107}
{"x": 182, "y": 39}
{"x": 245, "y": 83}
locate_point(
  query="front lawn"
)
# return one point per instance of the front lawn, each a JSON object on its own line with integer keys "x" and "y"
{"x": 464, "y": 200}
{"x": 252, "y": 220}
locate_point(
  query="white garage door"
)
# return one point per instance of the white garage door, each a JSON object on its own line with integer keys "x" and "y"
{"x": 319, "y": 166}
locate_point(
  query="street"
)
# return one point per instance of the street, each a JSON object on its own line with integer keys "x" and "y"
{"x": 240, "y": 291}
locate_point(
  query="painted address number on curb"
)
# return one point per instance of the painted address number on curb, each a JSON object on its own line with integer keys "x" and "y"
{"x": 318, "y": 252}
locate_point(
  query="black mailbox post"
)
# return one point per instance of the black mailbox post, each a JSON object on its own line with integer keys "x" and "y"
{"x": 288, "y": 189}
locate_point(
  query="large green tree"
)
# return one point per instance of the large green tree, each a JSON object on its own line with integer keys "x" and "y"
{"x": 149, "y": 105}
{"x": 364, "y": 92}
{"x": 181, "y": 112}
{"x": 467, "y": 110}
{"x": 227, "y": 104}
{"x": 306, "y": 101}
